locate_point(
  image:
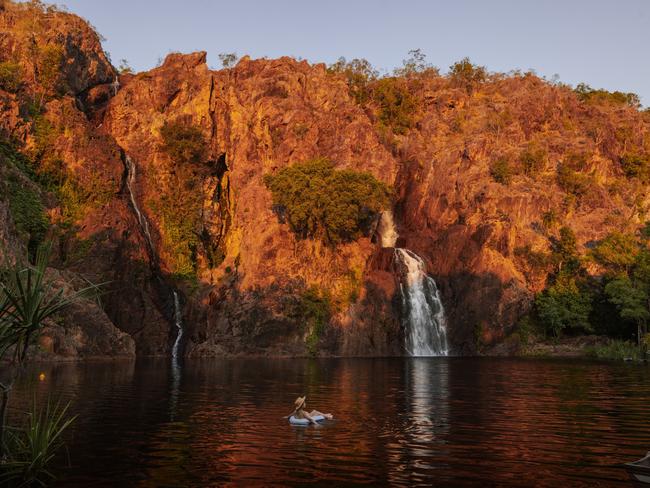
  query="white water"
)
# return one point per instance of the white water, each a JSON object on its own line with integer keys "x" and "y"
{"x": 424, "y": 314}
{"x": 115, "y": 86}
{"x": 386, "y": 229}
{"x": 144, "y": 225}
{"x": 130, "y": 184}
{"x": 426, "y": 334}
{"x": 178, "y": 319}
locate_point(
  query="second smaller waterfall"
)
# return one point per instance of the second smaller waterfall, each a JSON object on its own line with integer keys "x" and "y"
{"x": 130, "y": 185}
{"x": 178, "y": 320}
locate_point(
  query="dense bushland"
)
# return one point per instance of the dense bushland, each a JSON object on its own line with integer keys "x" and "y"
{"x": 615, "y": 301}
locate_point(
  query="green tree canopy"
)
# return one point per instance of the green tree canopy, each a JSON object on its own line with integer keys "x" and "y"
{"x": 564, "y": 306}
{"x": 565, "y": 251}
{"x": 358, "y": 72}
{"x": 630, "y": 299}
{"x": 322, "y": 202}
{"x": 184, "y": 143}
{"x": 397, "y": 106}
{"x": 616, "y": 253}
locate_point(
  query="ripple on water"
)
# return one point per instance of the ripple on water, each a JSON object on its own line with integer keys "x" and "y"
{"x": 460, "y": 422}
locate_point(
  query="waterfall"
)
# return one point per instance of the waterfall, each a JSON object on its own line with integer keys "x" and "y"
{"x": 115, "y": 85}
{"x": 144, "y": 225}
{"x": 424, "y": 314}
{"x": 130, "y": 184}
{"x": 386, "y": 229}
{"x": 426, "y": 333}
{"x": 178, "y": 320}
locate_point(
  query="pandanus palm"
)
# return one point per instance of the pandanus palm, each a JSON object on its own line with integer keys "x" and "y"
{"x": 27, "y": 299}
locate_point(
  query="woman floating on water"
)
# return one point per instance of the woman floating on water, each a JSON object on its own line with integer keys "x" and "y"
{"x": 299, "y": 412}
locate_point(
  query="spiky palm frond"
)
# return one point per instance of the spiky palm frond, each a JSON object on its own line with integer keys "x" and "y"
{"x": 33, "y": 447}
{"x": 27, "y": 299}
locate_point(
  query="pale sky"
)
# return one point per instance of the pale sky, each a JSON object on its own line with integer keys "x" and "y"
{"x": 605, "y": 43}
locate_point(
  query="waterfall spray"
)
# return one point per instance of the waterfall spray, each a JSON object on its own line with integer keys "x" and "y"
{"x": 424, "y": 314}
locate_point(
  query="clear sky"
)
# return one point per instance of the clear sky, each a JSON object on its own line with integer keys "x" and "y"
{"x": 605, "y": 43}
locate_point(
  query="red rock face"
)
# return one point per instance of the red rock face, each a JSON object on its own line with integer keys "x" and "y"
{"x": 258, "y": 117}
{"x": 469, "y": 228}
{"x": 263, "y": 115}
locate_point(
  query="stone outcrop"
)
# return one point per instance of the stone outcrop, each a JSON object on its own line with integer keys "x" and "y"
{"x": 209, "y": 232}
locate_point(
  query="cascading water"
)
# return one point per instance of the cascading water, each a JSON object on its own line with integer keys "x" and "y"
{"x": 178, "y": 320}
{"x": 115, "y": 86}
{"x": 426, "y": 333}
{"x": 130, "y": 184}
{"x": 386, "y": 229}
{"x": 144, "y": 225}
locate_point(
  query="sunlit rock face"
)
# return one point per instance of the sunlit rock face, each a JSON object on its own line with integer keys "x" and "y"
{"x": 243, "y": 280}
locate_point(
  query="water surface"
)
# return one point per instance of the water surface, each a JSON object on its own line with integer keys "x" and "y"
{"x": 404, "y": 422}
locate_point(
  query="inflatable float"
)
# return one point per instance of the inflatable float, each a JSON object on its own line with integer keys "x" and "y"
{"x": 294, "y": 421}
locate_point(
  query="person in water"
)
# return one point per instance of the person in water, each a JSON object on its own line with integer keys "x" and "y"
{"x": 300, "y": 411}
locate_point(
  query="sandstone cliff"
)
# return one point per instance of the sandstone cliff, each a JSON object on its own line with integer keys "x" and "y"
{"x": 126, "y": 213}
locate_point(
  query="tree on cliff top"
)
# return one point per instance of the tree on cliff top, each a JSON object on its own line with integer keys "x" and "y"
{"x": 321, "y": 202}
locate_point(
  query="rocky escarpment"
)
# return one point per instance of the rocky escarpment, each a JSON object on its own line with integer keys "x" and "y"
{"x": 478, "y": 234}
{"x": 257, "y": 118}
{"x": 484, "y": 174}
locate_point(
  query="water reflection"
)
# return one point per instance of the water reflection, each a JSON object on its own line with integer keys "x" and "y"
{"x": 176, "y": 372}
{"x": 420, "y": 421}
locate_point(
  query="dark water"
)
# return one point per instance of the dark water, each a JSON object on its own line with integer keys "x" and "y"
{"x": 441, "y": 422}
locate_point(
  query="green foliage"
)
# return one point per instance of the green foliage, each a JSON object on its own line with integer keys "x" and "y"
{"x": 549, "y": 219}
{"x": 532, "y": 160}
{"x": 630, "y": 299}
{"x": 626, "y": 290}
{"x": 565, "y": 252}
{"x": 228, "y": 60}
{"x": 45, "y": 135}
{"x": 49, "y": 64}
{"x": 535, "y": 260}
{"x": 636, "y": 165}
{"x": 590, "y": 95}
{"x": 467, "y": 75}
{"x": 416, "y": 63}
{"x": 10, "y": 76}
{"x": 616, "y": 253}
{"x": 526, "y": 330}
{"x": 572, "y": 181}
{"x": 124, "y": 67}
{"x": 359, "y": 73}
{"x": 319, "y": 201}
{"x": 27, "y": 211}
{"x": 31, "y": 450}
{"x": 27, "y": 300}
{"x": 179, "y": 222}
{"x": 397, "y": 106}
{"x": 180, "y": 201}
{"x": 563, "y": 306}
{"x": 315, "y": 309}
{"x": 184, "y": 143}
{"x": 645, "y": 231}
{"x": 615, "y": 350}
{"x": 30, "y": 300}
{"x": 9, "y": 154}
{"x": 75, "y": 197}
{"x": 502, "y": 171}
